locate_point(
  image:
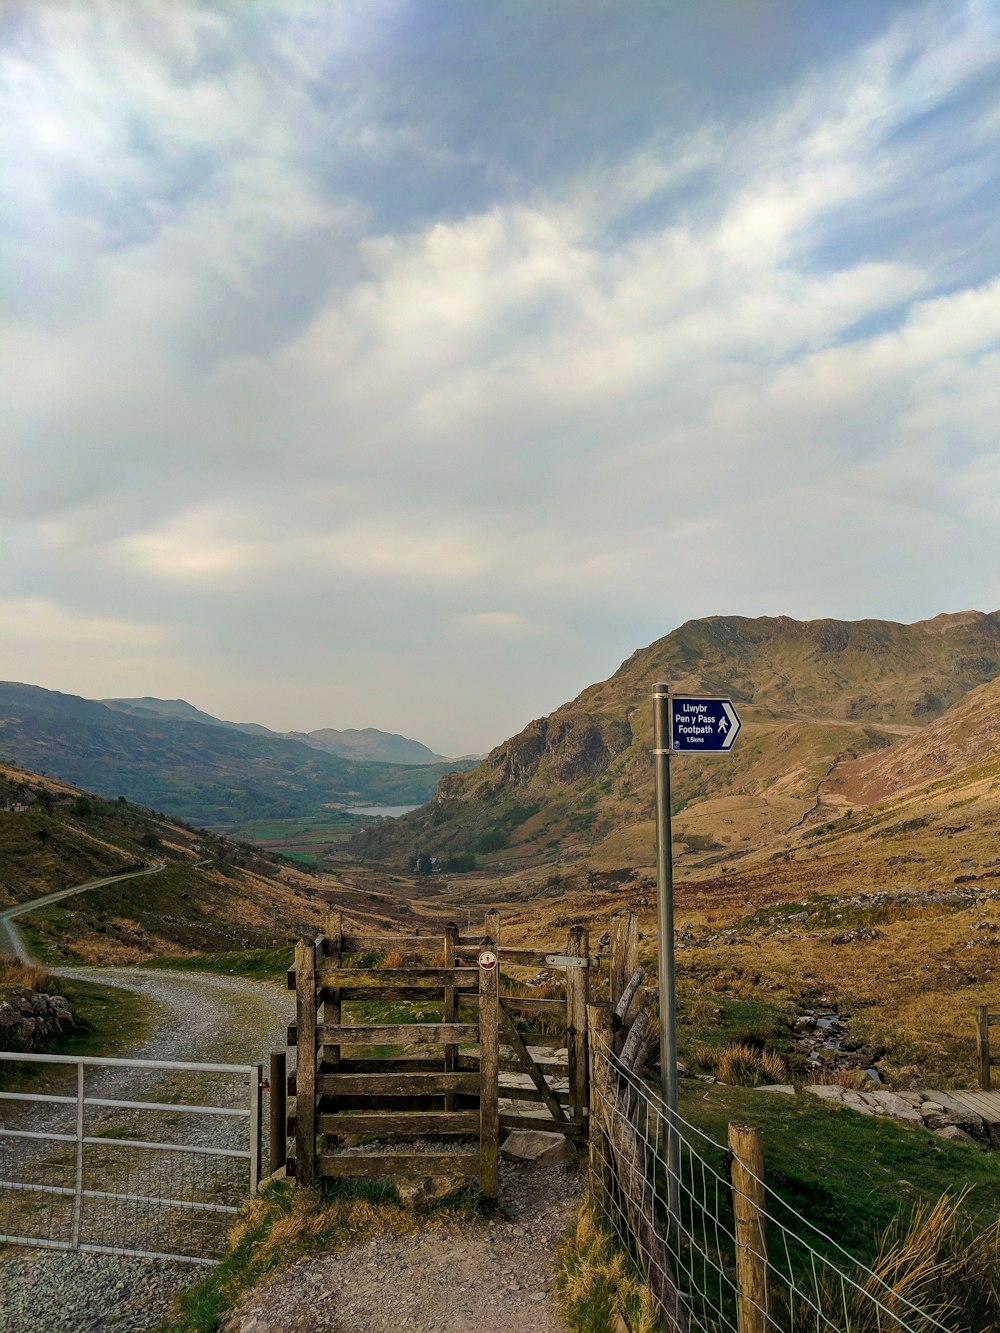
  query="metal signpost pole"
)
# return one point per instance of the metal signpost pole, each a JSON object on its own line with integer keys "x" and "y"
{"x": 665, "y": 940}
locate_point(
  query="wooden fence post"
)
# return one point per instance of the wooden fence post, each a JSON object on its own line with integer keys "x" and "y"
{"x": 450, "y": 1006}
{"x": 600, "y": 1169}
{"x": 624, "y": 961}
{"x": 279, "y": 1087}
{"x": 578, "y": 946}
{"x": 305, "y": 1062}
{"x": 489, "y": 1062}
{"x": 983, "y": 1045}
{"x": 751, "y": 1229}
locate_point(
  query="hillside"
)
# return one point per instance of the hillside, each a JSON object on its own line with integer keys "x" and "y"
{"x": 214, "y": 775}
{"x": 967, "y": 734}
{"x": 811, "y": 694}
{"x": 366, "y": 744}
{"x": 214, "y": 894}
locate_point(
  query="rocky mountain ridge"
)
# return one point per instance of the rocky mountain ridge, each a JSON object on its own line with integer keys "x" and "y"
{"x": 812, "y": 695}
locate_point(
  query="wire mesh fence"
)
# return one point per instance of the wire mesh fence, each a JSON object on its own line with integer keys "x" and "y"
{"x": 719, "y": 1248}
{"x": 131, "y": 1157}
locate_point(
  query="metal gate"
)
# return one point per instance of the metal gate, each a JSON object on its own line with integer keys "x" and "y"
{"x": 158, "y": 1176}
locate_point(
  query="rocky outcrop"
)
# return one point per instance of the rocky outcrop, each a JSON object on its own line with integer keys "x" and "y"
{"x": 936, "y": 1111}
{"x": 29, "y": 1018}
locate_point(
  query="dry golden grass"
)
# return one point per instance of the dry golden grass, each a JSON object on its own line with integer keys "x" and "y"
{"x": 936, "y": 1264}
{"x": 856, "y": 1079}
{"x": 746, "y": 1066}
{"x": 25, "y": 975}
{"x": 597, "y": 1282}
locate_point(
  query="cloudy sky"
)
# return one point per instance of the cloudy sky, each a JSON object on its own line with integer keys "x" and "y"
{"x": 409, "y": 363}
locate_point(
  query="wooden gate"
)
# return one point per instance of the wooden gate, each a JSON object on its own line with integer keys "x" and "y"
{"x": 344, "y": 1085}
{"x": 560, "y": 1085}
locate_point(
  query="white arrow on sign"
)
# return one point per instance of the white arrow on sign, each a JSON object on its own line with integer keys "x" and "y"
{"x": 729, "y": 728}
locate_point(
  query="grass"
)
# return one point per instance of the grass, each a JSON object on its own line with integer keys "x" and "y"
{"x": 256, "y": 964}
{"x": 849, "y": 1175}
{"x": 284, "y": 1223}
{"x": 597, "y": 1282}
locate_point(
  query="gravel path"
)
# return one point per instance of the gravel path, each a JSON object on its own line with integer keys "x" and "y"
{"x": 496, "y": 1276}
{"x": 204, "y": 1018}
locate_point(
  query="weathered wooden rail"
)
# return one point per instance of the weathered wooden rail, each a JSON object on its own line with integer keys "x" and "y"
{"x": 345, "y": 1085}
{"x": 451, "y": 1075}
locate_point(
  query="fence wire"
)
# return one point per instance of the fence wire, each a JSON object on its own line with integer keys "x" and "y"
{"x": 680, "y": 1225}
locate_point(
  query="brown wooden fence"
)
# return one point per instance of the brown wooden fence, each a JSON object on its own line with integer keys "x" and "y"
{"x": 345, "y": 1084}
{"x": 453, "y": 1073}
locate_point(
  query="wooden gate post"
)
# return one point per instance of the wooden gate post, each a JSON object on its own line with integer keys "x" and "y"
{"x": 576, "y": 1022}
{"x": 751, "y": 1229}
{"x": 333, "y": 951}
{"x": 489, "y": 1062}
{"x": 983, "y": 1045}
{"x": 305, "y": 1062}
{"x": 624, "y": 961}
{"x": 450, "y": 1006}
{"x": 600, "y": 1168}
{"x": 279, "y": 1087}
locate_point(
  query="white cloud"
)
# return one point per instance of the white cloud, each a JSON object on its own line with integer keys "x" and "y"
{"x": 35, "y": 620}
{"x": 711, "y": 369}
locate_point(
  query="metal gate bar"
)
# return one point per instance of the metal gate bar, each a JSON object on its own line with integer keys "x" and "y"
{"x": 81, "y": 1140}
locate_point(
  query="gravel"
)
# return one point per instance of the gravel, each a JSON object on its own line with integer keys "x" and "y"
{"x": 204, "y": 1018}
{"x": 497, "y": 1275}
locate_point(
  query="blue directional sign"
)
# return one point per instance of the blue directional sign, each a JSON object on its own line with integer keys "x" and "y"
{"x": 702, "y": 724}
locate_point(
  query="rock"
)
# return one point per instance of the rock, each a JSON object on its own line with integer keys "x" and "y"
{"x": 798, "y": 916}
{"x": 828, "y": 1092}
{"x": 900, "y": 1108}
{"x": 953, "y": 1134}
{"x": 420, "y": 1194}
{"x": 538, "y": 1145}
{"x": 786, "y": 1088}
{"x": 859, "y": 935}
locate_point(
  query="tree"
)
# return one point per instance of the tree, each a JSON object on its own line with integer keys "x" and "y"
{"x": 46, "y": 801}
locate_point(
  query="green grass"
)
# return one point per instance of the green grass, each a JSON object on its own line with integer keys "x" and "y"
{"x": 848, "y": 1174}
{"x": 256, "y": 964}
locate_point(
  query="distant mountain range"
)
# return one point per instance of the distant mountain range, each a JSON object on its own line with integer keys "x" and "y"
{"x": 367, "y": 744}
{"x": 815, "y": 698}
{"x": 170, "y": 756}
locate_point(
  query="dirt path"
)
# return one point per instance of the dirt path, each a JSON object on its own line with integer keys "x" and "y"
{"x": 496, "y": 1276}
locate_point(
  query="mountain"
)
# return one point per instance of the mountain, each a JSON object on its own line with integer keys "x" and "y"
{"x": 368, "y": 744}
{"x": 964, "y": 737}
{"x": 204, "y": 773}
{"x": 811, "y": 695}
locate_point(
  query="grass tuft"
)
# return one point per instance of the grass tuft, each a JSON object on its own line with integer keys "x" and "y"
{"x": 747, "y": 1066}
{"x": 599, "y": 1283}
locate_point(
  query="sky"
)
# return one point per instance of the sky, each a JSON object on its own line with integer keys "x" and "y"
{"x": 410, "y": 363}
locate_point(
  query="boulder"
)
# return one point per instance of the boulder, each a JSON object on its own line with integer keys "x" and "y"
{"x": 953, "y": 1134}
{"x": 786, "y": 1088}
{"x": 420, "y": 1194}
{"x": 828, "y": 1092}
{"x": 900, "y": 1108}
{"x": 538, "y": 1145}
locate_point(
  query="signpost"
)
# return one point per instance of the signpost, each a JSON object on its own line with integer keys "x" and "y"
{"x": 681, "y": 724}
